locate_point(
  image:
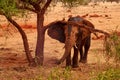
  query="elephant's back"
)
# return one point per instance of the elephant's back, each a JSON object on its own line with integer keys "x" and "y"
{"x": 75, "y": 19}
{"x": 81, "y": 20}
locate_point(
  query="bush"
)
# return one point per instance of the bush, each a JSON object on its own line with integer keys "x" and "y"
{"x": 58, "y": 74}
{"x": 112, "y": 46}
{"x": 109, "y": 74}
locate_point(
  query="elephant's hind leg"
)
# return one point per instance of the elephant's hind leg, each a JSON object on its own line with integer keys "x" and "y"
{"x": 81, "y": 54}
{"x": 86, "y": 48}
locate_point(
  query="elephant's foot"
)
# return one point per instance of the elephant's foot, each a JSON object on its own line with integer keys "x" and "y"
{"x": 83, "y": 61}
{"x": 68, "y": 64}
{"x": 75, "y": 66}
{"x": 58, "y": 62}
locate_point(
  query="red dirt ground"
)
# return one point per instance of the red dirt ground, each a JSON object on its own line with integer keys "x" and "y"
{"x": 13, "y": 63}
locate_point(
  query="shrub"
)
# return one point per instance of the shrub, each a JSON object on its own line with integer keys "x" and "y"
{"x": 109, "y": 74}
{"x": 58, "y": 74}
{"x": 112, "y": 46}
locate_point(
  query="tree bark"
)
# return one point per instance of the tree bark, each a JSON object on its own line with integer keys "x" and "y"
{"x": 40, "y": 11}
{"x": 39, "y": 54}
{"x": 25, "y": 41}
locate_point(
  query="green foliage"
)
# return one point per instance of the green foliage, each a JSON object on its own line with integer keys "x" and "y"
{"x": 112, "y": 46}
{"x": 72, "y": 3}
{"x": 8, "y": 7}
{"x": 109, "y": 74}
{"x": 58, "y": 74}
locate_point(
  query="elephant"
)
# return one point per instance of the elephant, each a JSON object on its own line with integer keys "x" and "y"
{"x": 74, "y": 33}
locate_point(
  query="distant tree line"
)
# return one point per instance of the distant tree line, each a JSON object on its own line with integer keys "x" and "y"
{"x": 112, "y": 1}
{"x": 105, "y": 1}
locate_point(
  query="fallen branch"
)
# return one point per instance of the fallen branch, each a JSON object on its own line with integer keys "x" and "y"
{"x": 91, "y": 29}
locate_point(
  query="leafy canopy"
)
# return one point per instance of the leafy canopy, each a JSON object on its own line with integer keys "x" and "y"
{"x": 72, "y": 3}
{"x": 8, "y": 7}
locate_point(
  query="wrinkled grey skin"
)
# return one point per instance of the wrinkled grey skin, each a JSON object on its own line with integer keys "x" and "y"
{"x": 73, "y": 37}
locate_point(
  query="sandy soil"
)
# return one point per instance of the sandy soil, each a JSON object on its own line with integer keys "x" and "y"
{"x": 13, "y": 63}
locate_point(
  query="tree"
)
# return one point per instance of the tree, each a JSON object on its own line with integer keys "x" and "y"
{"x": 39, "y": 7}
{"x": 8, "y": 9}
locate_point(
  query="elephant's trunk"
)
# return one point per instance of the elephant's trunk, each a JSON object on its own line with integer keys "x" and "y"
{"x": 68, "y": 47}
{"x": 70, "y": 34}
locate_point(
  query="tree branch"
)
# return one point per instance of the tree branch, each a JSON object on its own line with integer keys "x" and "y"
{"x": 39, "y": 1}
{"x": 34, "y": 4}
{"x": 1, "y": 13}
{"x": 25, "y": 40}
{"x": 27, "y": 8}
{"x": 92, "y": 30}
{"x": 46, "y": 5}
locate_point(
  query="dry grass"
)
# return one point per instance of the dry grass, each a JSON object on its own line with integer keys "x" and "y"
{"x": 13, "y": 63}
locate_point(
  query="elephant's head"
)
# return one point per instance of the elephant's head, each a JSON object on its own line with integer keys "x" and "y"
{"x": 68, "y": 32}
{"x": 58, "y": 29}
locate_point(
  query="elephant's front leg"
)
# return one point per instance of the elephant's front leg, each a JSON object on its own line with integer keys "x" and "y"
{"x": 75, "y": 58}
{"x": 68, "y": 60}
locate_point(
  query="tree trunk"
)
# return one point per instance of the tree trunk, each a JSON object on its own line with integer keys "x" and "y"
{"x": 25, "y": 41}
{"x": 39, "y": 54}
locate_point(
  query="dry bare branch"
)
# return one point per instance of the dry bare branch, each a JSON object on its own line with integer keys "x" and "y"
{"x": 91, "y": 29}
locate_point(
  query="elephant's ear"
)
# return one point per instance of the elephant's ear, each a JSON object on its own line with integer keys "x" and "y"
{"x": 56, "y": 30}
